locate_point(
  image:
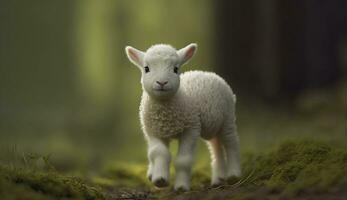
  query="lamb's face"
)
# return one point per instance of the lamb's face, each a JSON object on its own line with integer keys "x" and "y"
{"x": 160, "y": 68}
{"x": 160, "y": 75}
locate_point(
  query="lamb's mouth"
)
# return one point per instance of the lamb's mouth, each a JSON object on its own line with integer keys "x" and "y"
{"x": 161, "y": 90}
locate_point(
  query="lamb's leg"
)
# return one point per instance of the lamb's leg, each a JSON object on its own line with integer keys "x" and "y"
{"x": 185, "y": 159}
{"x": 217, "y": 161}
{"x": 230, "y": 141}
{"x": 150, "y": 168}
{"x": 159, "y": 161}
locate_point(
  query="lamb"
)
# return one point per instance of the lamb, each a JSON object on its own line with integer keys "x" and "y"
{"x": 185, "y": 107}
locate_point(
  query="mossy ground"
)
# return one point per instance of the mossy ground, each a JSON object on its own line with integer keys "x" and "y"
{"x": 293, "y": 170}
{"x": 20, "y": 183}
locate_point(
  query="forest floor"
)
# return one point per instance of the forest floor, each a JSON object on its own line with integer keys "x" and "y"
{"x": 290, "y": 153}
{"x": 294, "y": 170}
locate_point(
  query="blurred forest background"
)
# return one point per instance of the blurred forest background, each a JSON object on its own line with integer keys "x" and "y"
{"x": 67, "y": 89}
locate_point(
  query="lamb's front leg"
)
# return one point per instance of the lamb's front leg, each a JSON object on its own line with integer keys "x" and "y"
{"x": 159, "y": 161}
{"x": 185, "y": 158}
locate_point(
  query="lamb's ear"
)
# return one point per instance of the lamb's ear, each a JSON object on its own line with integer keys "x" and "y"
{"x": 135, "y": 56}
{"x": 187, "y": 53}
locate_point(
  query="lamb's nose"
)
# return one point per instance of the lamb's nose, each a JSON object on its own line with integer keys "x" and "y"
{"x": 162, "y": 83}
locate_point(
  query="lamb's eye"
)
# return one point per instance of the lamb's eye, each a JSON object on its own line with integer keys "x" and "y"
{"x": 146, "y": 69}
{"x": 176, "y": 70}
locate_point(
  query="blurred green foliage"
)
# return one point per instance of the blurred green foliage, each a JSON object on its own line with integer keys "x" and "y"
{"x": 65, "y": 82}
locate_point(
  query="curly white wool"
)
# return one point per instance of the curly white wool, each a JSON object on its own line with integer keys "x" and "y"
{"x": 203, "y": 99}
{"x": 166, "y": 120}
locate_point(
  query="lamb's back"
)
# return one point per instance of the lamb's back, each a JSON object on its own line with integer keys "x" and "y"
{"x": 213, "y": 98}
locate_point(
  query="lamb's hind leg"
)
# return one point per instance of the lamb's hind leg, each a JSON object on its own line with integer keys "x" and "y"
{"x": 217, "y": 161}
{"x": 230, "y": 141}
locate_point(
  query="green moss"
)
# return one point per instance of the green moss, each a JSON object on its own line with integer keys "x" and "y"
{"x": 294, "y": 168}
{"x": 300, "y": 166}
{"x": 201, "y": 177}
{"x": 123, "y": 175}
{"x": 10, "y": 190}
{"x": 29, "y": 184}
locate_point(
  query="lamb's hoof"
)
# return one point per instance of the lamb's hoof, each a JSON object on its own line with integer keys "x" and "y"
{"x": 161, "y": 182}
{"x": 218, "y": 183}
{"x": 181, "y": 189}
{"x": 149, "y": 177}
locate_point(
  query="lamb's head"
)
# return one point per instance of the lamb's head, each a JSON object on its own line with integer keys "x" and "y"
{"x": 160, "y": 66}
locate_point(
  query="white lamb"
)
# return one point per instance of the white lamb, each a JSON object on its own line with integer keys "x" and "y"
{"x": 202, "y": 105}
